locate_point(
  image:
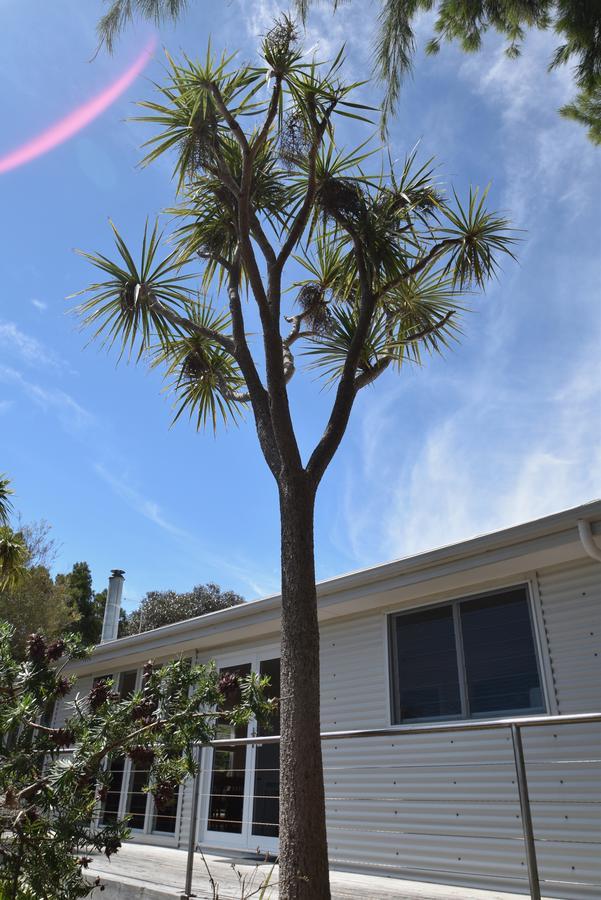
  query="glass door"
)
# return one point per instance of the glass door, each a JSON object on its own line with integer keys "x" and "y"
{"x": 227, "y": 795}
{"x": 243, "y": 782}
{"x": 266, "y": 793}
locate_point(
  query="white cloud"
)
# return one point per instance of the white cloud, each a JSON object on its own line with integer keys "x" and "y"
{"x": 498, "y": 455}
{"x": 146, "y": 507}
{"x": 546, "y": 158}
{"x": 70, "y": 413}
{"x": 40, "y": 305}
{"x": 245, "y": 570}
{"x": 26, "y": 348}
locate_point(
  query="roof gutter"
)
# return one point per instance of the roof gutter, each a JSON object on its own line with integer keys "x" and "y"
{"x": 586, "y": 538}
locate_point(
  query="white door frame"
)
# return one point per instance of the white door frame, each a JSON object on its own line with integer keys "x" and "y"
{"x": 245, "y": 840}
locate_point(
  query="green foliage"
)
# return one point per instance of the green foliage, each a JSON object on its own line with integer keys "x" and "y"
{"x": 586, "y": 109}
{"x": 13, "y": 558}
{"x": 88, "y": 606}
{"x": 52, "y": 779}
{"x": 121, "y": 12}
{"x": 36, "y": 603}
{"x": 5, "y": 502}
{"x": 164, "y": 607}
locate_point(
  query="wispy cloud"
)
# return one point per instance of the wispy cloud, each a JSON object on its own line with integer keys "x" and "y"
{"x": 26, "y": 348}
{"x": 258, "y": 582}
{"x": 539, "y": 147}
{"x": 136, "y": 500}
{"x": 40, "y": 305}
{"x": 70, "y": 413}
{"x": 500, "y": 453}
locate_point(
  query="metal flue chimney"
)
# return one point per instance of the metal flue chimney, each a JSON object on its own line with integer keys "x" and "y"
{"x": 110, "y": 624}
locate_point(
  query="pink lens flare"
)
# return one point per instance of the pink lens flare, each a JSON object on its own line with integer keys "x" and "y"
{"x": 72, "y": 123}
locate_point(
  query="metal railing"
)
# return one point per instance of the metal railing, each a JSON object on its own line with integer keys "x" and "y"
{"x": 514, "y": 726}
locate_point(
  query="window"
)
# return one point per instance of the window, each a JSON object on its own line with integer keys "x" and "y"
{"x": 127, "y": 683}
{"x": 470, "y": 658}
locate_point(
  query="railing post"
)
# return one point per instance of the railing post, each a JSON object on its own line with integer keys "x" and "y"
{"x": 187, "y": 894}
{"x": 520, "y": 768}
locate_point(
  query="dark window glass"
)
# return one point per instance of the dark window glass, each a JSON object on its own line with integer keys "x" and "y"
{"x": 226, "y": 802}
{"x": 127, "y": 684}
{"x": 427, "y": 679}
{"x": 137, "y": 796}
{"x": 266, "y": 803}
{"x": 164, "y": 820}
{"x": 490, "y": 667}
{"x": 110, "y": 805}
{"x": 500, "y": 657}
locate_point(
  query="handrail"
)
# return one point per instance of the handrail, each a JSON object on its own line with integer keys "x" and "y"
{"x": 426, "y": 728}
{"x": 514, "y": 724}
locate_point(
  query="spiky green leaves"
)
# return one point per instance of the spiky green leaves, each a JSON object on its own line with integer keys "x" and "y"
{"x": 202, "y": 375}
{"x": 5, "y": 502}
{"x": 481, "y": 238}
{"x": 13, "y": 557}
{"x": 421, "y": 314}
{"x": 131, "y": 308}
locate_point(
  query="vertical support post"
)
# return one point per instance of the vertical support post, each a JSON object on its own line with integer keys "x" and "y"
{"x": 520, "y": 768}
{"x": 187, "y": 894}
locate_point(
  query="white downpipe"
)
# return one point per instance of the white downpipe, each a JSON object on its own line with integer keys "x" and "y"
{"x": 587, "y": 540}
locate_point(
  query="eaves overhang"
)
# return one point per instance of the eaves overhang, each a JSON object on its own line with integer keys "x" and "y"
{"x": 514, "y": 551}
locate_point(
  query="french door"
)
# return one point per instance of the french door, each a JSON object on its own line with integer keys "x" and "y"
{"x": 242, "y": 783}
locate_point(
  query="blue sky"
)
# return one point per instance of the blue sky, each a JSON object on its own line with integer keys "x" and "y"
{"x": 507, "y": 427}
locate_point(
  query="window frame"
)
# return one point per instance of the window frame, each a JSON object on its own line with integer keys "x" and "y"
{"x": 455, "y": 603}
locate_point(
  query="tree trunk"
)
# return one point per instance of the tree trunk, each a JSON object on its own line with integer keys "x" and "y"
{"x": 304, "y": 871}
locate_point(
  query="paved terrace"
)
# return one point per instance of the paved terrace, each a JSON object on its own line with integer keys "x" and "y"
{"x": 142, "y": 872}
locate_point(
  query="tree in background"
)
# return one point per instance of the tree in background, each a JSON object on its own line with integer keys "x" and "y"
{"x": 164, "y": 607}
{"x": 88, "y": 604}
{"x": 49, "y": 798}
{"x": 36, "y": 603}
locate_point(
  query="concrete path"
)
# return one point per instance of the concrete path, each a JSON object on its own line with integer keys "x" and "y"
{"x": 142, "y": 872}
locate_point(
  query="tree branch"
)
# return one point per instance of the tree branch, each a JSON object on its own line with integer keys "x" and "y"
{"x": 231, "y": 120}
{"x": 257, "y": 393}
{"x": 370, "y": 375}
{"x": 302, "y": 216}
{"x": 346, "y": 392}
{"x": 189, "y": 326}
{"x": 419, "y": 266}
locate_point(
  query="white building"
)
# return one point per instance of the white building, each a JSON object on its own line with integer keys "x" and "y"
{"x": 506, "y": 625}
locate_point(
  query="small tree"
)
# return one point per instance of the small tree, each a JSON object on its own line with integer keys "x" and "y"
{"x": 49, "y": 798}
{"x": 164, "y": 607}
{"x": 263, "y": 184}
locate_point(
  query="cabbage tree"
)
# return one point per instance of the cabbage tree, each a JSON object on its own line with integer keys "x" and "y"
{"x": 308, "y": 250}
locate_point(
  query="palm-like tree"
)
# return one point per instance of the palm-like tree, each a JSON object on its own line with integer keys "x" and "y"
{"x": 13, "y": 550}
{"x": 387, "y": 257}
{"x": 577, "y": 24}
{"x": 6, "y": 493}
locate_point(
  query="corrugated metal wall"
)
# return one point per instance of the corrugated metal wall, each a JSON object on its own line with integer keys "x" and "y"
{"x": 445, "y": 807}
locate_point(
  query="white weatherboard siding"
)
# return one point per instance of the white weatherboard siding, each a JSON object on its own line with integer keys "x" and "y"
{"x": 439, "y": 807}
